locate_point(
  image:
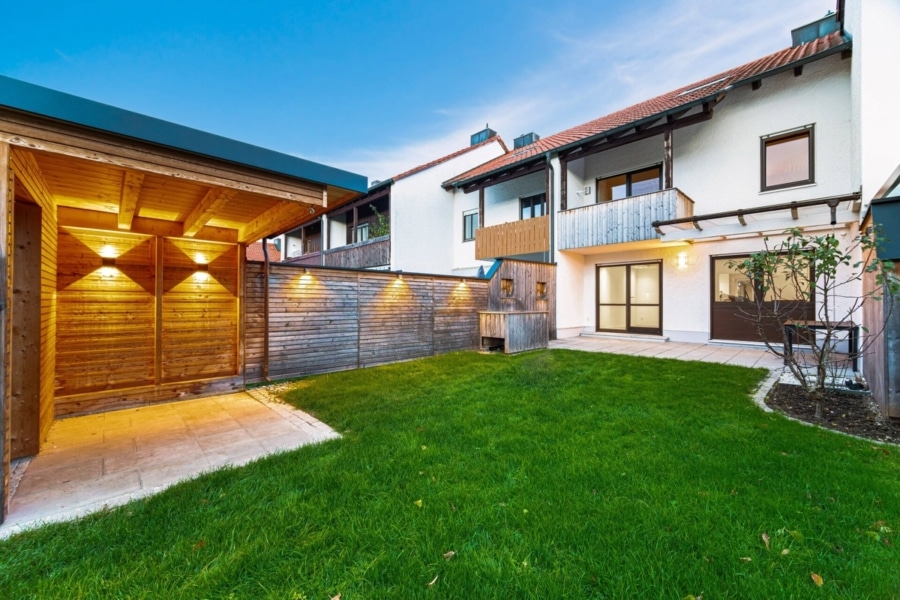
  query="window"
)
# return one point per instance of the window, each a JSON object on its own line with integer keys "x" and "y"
{"x": 470, "y": 224}
{"x": 733, "y": 286}
{"x": 362, "y": 232}
{"x": 533, "y": 206}
{"x": 626, "y": 185}
{"x": 540, "y": 289}
{"x": 787, "y": 159}
{"x": 507, "y": 288}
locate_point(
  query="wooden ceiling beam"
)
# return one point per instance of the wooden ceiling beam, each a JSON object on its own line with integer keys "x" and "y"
{"x": 93, "y": 219}
{"x": 279, "y": 217}
{"x": 206, "y": 209}
{"x": 29, "y": 174}
{"x": 131, "y": 192}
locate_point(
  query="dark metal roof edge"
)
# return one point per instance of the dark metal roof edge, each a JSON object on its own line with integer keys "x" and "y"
{"x": 60, "y": 106}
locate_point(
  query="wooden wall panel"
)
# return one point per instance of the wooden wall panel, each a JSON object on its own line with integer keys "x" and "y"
{"x": 105, "y": 314}
{"x": 525, "y": 297}
{"x": 26, "y": 331}
{"x": 396, "y": 318}
{"x": 30, "y": 179}
{"x": 199, "y": 310}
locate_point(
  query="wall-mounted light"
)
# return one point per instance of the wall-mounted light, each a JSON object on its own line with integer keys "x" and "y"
{"x": 109, "y": 261}
{"x": 306, "y": 270}
{"x": 203, "y": 268}
{"x": 399, "y": 274}
{"x": 682, "y": 260}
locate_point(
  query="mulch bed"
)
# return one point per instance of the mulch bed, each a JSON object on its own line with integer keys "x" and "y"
{"x": 853, "y": 413}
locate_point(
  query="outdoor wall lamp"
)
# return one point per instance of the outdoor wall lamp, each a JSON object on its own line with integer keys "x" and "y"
{"x": 109, "y": 261}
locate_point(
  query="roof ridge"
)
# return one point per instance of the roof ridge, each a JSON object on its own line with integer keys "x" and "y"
{"x": 677, "y": 98}
{"x": 450, "y": 156}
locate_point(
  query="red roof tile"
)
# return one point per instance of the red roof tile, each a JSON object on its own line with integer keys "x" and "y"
{"x": 255, "y": 252}
{"x": 684, "y": 96}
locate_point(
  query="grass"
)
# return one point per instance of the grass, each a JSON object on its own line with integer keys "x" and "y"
{"x": 552, "y": 474}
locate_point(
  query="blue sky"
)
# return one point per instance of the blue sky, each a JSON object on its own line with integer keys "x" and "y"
{"x": 379, "y": 87}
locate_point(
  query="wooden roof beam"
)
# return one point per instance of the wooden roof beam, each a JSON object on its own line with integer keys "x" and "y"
{"x": 206, "y": 209}
{"x": 128, "y": 201}
{"x": 280, "y": 217}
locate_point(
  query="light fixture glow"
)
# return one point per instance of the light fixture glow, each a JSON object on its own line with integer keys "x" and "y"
{"x": 108, "y": 251}
{"x": 682, "y": 261}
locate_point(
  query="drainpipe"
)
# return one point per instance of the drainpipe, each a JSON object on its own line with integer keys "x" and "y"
{"x": 550, "y": 177}
{"x": 265, "y": 365}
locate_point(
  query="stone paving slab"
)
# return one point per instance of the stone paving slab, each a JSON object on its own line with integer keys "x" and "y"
{"x": 97, "y": 461}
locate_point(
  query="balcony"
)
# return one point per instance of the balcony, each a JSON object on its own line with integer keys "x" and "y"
{"x": 528, "y": 236}
{"x": 621, "y": 221}
{"x": 375, "y": 252}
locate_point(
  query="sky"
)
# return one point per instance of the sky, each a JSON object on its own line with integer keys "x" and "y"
{"x": 379, "y": 87}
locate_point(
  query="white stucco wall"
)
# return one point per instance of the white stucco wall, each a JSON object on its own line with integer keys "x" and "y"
{"x": 873, "y": 25}
{"x": 501, "y": 201}
{"x": 717, "y": 163}
{"x": 423, "y": 214}
{"x": 686, "y": 291}
{"x": 337, "y": 234}
{"x": 464, "y": 262}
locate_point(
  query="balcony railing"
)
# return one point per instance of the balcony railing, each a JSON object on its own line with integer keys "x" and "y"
{"x": 361, "y": 255}
{"x": 621, "y": 221}
{"x": 527, "y": 236}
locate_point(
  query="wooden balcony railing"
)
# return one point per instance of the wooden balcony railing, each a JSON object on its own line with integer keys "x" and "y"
{"x": 512, "y": 239}
{"x": 361, "y": 255}
{"x": 621, "y": 221}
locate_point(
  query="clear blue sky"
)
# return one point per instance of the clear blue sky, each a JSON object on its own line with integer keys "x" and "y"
{"x": 379, "y": 87}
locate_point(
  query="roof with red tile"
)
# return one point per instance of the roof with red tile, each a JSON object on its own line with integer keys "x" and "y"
{"x": 255, "y": 252}
{"x": 689, "y": 95}
{"x": 451, "y": 156}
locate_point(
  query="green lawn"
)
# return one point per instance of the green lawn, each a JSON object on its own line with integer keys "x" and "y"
{"x": 552, "y": 474}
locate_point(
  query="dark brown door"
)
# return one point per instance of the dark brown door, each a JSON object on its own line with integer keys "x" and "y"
{"x": 734, "y": 313}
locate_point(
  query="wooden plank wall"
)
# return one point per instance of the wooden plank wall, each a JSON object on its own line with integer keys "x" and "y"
{"x": 199, "y": 320}
{"x": 881, "y": 341}
{"x": 525, "y": 298}
{"x": 30, "y": 179}
{"x": 526, "y": 236}
{"x": 361, "y": 255}
{"x": 106, "y": 315}
{"x": 7, "y": 186}
{"x": 330, "y": 320}
{"x": 25, "y": 304}
{"x": 520, "y": 331}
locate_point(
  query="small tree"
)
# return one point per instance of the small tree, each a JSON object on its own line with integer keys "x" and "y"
{"x": 381, "y": 226}
{"x": 806, "y": 269}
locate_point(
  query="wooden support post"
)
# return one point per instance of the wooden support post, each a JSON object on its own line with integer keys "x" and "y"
{"x": 668, "y": 180}
{"x": 352, "y": 236}
{"x": 563, "y": 184}
{"x": 6, "y": 272}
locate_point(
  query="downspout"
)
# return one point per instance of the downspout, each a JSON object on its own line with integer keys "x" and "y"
{"x": 550, "y": 177}
{"x": 265, "y": 364}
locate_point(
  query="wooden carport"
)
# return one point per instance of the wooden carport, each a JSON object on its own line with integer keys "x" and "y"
{"x": 123, "y": 249}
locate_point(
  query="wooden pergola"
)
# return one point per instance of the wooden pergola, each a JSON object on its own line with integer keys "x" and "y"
{"x": 123, "y": 259}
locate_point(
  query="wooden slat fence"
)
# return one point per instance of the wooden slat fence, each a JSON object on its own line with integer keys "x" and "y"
{"x": 327, "y": 320}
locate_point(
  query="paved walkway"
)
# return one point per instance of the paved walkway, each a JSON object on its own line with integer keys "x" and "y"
{"x": 95, "y": 461}
{"x": 732, "y": 354}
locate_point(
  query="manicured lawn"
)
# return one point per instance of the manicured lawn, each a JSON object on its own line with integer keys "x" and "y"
{"x": 552, "y": 474}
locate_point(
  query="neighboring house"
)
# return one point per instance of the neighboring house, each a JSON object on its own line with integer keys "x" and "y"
{"x": 644, "y": 208}
{"x": 255, "y": 251}
{"x": 408, "y": 222}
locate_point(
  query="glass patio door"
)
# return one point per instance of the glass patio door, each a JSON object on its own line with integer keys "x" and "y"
{"x": 629, "y": 298}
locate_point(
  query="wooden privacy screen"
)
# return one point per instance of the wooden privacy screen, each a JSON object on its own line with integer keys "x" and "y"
{"x": 136, "y": 311}
{"x": 331, "y": 320}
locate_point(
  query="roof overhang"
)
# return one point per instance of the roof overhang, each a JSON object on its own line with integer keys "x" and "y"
{"x": 51, "y": 104}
